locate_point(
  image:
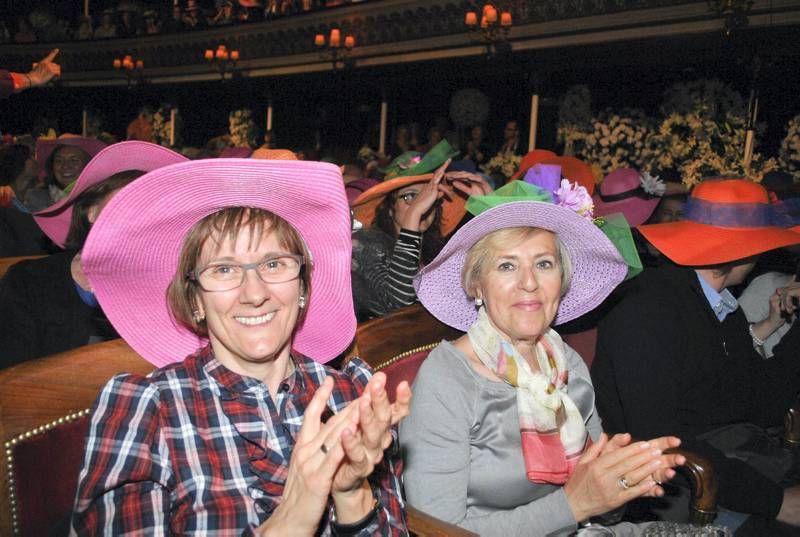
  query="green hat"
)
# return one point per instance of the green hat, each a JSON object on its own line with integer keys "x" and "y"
{"x": 415, "y": 163}
{"x": 613, "y": 226}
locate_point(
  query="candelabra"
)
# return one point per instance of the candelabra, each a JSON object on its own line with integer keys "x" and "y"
{"x": 332, "y": 49}
{"x": 492, "y": 29}
{"x": 223, "y": 59}
{"x": 734, "y": 11}
{"x": 133, "y": 70}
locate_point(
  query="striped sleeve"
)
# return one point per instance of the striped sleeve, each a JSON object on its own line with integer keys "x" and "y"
{"x": 390, "y": 278}
{"x": 123, "y": 485}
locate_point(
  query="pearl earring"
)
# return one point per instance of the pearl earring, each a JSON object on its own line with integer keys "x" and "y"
{"x": 301, "y": 302}
{"x": 198, "y": 317}
{"x": 478, "y": 302}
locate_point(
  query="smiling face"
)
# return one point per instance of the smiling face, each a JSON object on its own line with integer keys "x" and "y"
{"x": 68, "y": 162}
{"x": 520, "y": 283}
{"x": 250, "y": 327}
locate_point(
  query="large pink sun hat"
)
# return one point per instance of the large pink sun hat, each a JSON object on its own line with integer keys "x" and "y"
{"x": 629, "y": 192}
{"x": 46, "y": 146}
{"x": 120, "y": 157}
{"x": 597, "y": 265}
{"x": 133, "y": 249}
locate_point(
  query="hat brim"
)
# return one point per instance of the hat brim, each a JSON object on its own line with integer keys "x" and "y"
{"x": 365, "y": 205}
{"x": 575, "y": 170}
{"x": 531, "y": 159}
{"x": 597, "y": 266}
{"x": 693, "y": 244}
{"x": 636, "y": 210}
{"x": 132, "y": 252}
{"x": 55, "y": 220}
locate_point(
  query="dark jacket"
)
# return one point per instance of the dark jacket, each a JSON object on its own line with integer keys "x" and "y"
{"x": 665, "y": 365}
{"x": 19, "y": 234}
{"x": 41, "y": 312}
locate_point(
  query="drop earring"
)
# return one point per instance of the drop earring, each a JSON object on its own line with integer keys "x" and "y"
{"x": 301, "y": 301}
{"x": 478, "y": 302}
{"x": 198, "y": 317}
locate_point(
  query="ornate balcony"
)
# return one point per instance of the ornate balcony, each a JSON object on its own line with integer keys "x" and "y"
{"x": 388, "y": 32}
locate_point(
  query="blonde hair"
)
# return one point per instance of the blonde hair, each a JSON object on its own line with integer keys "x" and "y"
{"x": 483, "y": 250}
{"x": 219, "y": 227}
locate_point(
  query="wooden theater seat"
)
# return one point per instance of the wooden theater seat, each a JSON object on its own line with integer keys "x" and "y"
{"x": 398, "y": 343}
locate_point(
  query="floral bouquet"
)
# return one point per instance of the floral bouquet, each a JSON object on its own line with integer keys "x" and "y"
{"x": 503, "y": 164}
{"x": 615, "y": 140}
{"x": 241, "y": 128}
{"x": 790, "y": 148}
{"x": 161, "y": 126}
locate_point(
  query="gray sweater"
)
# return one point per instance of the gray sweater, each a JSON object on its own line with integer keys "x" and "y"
{"x": 463, "y": 453}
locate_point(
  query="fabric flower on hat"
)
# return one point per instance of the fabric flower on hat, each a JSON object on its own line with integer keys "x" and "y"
{"x": 575, "y": 197}
{"x": 653, "y": 185}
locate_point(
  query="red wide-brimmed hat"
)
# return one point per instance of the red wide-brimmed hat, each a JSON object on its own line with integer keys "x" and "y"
{"x": 531, "y": 159}
{"x": 724, "y": 220}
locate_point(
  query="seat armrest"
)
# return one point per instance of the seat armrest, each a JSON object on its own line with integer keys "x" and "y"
{"x": 791, "y": 425}
{"x": 424, "y": 525}
{"x": 703, "y": 484}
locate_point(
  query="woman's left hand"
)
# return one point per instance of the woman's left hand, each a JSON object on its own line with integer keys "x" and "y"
{"x": 364, "y": 446}
{"x": 471, "y": 184}
{"x": 668, "y": 461}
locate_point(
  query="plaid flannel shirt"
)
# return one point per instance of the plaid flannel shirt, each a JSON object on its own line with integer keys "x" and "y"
{"x": 194, "y": 448}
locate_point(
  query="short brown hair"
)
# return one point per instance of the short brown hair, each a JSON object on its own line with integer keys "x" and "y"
{"x": 483, "y": 250}
{"x": 219, "y": 227}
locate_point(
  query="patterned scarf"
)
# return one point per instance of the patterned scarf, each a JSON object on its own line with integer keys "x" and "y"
{"x": 551, "y": 427}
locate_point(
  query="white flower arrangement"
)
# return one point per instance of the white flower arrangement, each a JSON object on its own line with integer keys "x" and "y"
{"x": 790, "y": 148}
{"x": 615, "y": 140}
{"x": 652, "y": 185}
{"x": 505, "y": 164}
{"x": 241, "y": 128}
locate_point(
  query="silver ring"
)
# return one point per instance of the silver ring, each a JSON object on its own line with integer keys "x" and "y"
{"x": 623, "y": 483}
{"x": 657, "y": 482}
{"x": 323, "y": 448}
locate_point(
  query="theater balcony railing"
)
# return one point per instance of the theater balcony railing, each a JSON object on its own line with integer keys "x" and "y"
{"x": 387, "y": 32}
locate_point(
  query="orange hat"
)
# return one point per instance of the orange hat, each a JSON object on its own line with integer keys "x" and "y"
{"x": 531, "y": 159}
{"x": 273, "y": 154}
{"x": 575, "y": 170}
{"x": 724, "y": 220}
{"x": 365, "y": 205}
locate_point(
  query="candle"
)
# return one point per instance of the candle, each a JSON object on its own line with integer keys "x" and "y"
{"x": 117, "y": 63}
{"x": 484, "y": 22}
{"x": 269, "y": 116}
{"x": 491, "y": 15}
{"x": 336, "y": 37}
{"x": 85, "y": 123}
{"x": 349, "y": 41}
{"x": 486, "y": 8}
{"x": 85, "y": 8}
{"x": 319, "y": 40}
{"x": 235, "y": 55}
{"x": 384, "y": 117}
{"x": 172, "y": 114}
{"x": 749, "y": 143}
{"x": 139, "y": 64}
{"x": 534, "y": 122}
{"x": 209, "y": 54}
{"x": 505, "y": 19}
{"x": 471, "y": 18}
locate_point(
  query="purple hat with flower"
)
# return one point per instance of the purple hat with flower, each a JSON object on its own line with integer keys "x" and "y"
{"x": 597, "y": 265}
{"x": 629, "y": 192}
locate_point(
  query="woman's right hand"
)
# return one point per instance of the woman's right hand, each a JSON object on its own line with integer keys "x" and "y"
{"x": 420, "y": 213}
{"x": 312, "y": 467}
{"x": 596, "y": 486}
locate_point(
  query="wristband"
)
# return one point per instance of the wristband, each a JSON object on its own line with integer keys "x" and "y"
{"x": 354, "y": 528}
{"x": 757, "y": 341}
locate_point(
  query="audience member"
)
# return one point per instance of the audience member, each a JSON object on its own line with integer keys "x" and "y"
{"x": 106, "y": 29}
{"x": 503, "y": 438}
{"x": 19, "y": 234}
{"x": 676, "y": 356}
{"x": 252, "y": 398}
{"x": 47, "y": 305}
{"x": 43, "y": 72}
{"x": 60, "y": 163}
{"x": 475, "y": 149}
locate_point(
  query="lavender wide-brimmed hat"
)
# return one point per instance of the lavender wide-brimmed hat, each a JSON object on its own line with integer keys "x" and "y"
{"x": 134, "y": 155}
{"x": 597, "y": 265}
{"x": 133, "y": 249}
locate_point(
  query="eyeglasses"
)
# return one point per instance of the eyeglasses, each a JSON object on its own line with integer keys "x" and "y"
{"x": 408, "y": 197}
{"x": 228, "y": 276}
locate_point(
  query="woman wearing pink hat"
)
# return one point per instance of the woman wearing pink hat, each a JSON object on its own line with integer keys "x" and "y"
{"x": 503, "y": 438}
{"x": 47, "y": 305}
{"x": 238, "y": 290}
